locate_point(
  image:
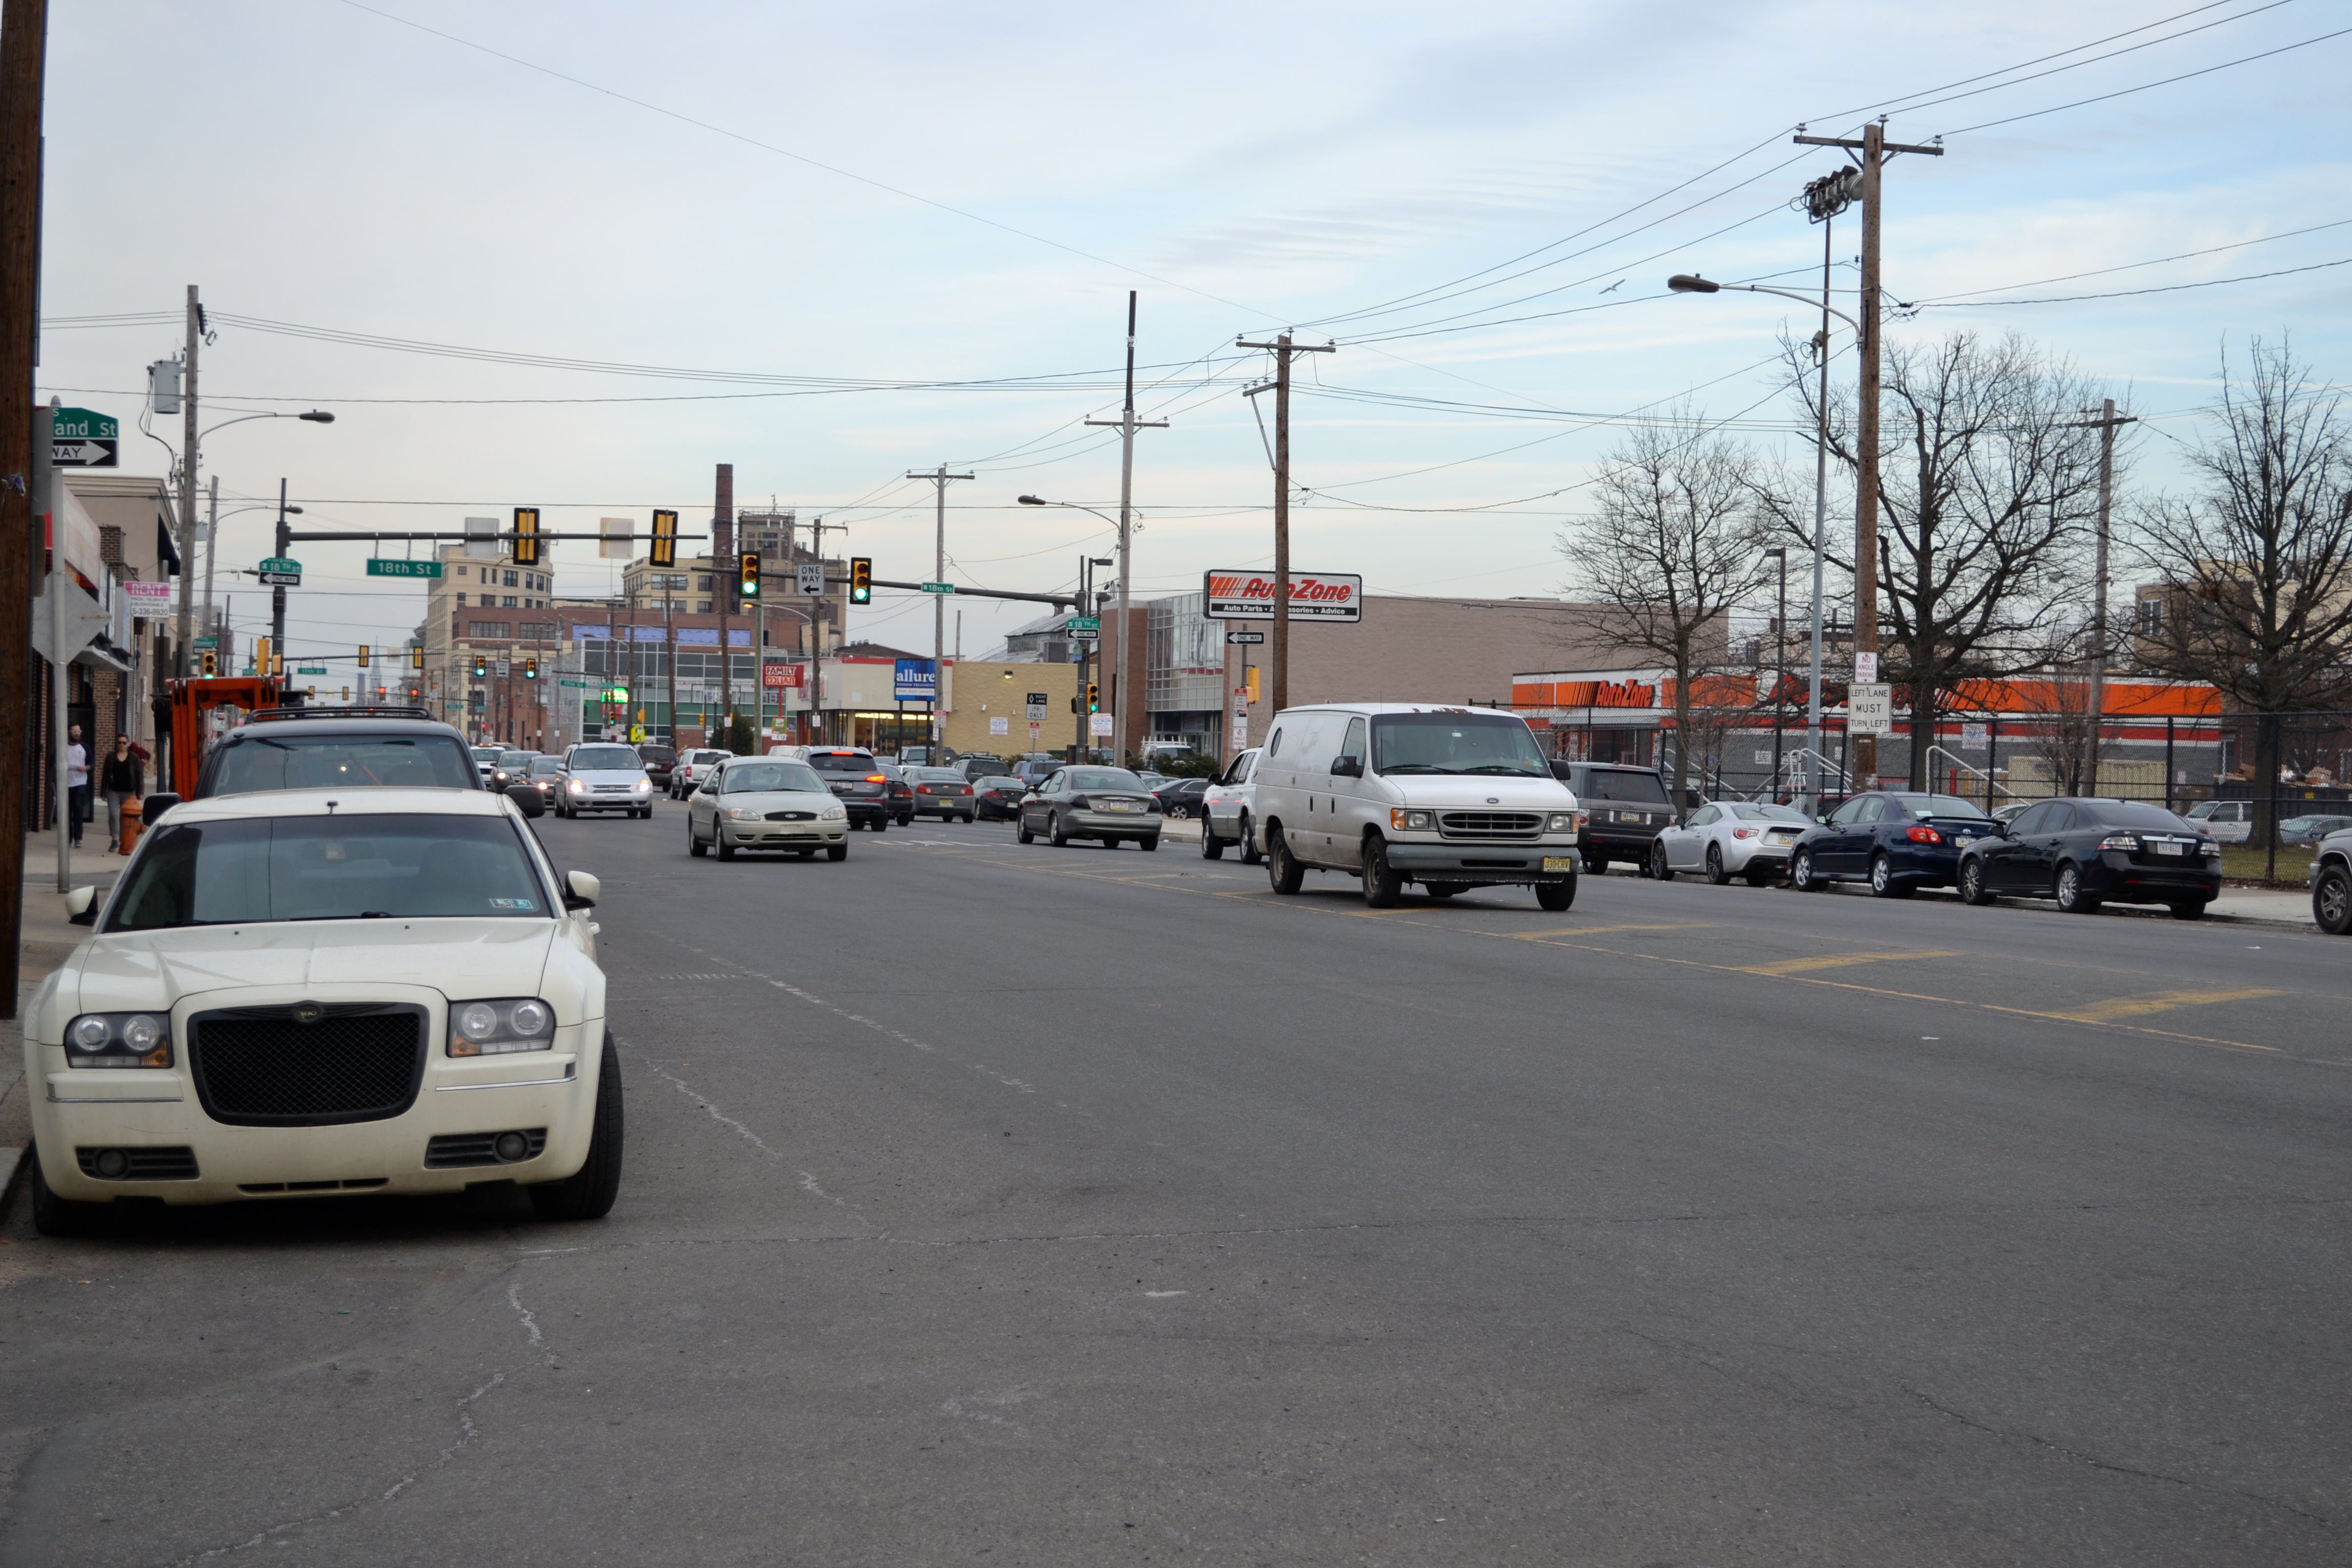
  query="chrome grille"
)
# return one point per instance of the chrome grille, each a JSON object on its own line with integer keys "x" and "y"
{"x": 1490, "y": 825}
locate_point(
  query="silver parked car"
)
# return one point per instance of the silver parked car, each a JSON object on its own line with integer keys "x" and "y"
{"x": 1730, "y": 839}
{"x": 1225, "y": 811}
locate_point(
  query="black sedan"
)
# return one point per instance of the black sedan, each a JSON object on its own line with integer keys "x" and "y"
{"x": 1897, "y": 842}
{"x": 996, "y": 797}
{"x": 2083, "y": 853}
{"x": 1181, "y": 798}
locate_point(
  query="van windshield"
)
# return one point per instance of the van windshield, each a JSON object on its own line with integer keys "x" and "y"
{"x": 1455, "y": 744}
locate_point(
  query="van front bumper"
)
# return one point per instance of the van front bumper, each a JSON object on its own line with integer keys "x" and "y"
{"x": 1477, "y": 863}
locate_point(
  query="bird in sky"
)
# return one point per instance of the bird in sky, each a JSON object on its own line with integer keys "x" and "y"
{"x": 1613, "y": 286}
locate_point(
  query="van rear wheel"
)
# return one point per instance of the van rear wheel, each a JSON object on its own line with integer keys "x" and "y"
{"x": 1281, "y": 869}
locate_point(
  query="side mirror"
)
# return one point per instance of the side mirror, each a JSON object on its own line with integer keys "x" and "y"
{"x": 155, "y": 806}
{"x": 1559, "y": 769}
{"x": 1347, "y": 767}
{"x": 81, "y": 906}
{"x": 526, "y": 796}
{"x": 1823, "y": 820}
{"x": 580, "y": 890}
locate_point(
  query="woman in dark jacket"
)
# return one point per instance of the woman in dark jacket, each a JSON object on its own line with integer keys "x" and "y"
{"x": 122, "y": 780}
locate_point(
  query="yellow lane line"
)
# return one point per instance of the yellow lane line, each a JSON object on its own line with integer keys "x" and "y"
{"x": 2159, "y": 1002}
{"x": 1789, "y": 966}
{"x": 1595, "y": 930}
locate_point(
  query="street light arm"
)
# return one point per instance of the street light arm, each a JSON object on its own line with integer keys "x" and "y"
{"x": 1690, "y": 283}
{"x": 316, "y": 416}
{"x": 1074, "y": 506}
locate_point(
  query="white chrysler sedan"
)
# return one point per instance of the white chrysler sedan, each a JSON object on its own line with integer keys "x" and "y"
{"x": 760, "y": 803}
{"x": 312, "y": 992}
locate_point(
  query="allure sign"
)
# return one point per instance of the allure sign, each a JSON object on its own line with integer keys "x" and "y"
{"x": 1314, "y": 597}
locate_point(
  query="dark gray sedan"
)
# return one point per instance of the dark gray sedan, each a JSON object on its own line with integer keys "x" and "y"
{"x": 1108, "y": 804}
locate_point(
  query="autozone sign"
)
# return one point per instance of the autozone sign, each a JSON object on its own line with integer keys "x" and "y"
{"x": 1314, "y": 597}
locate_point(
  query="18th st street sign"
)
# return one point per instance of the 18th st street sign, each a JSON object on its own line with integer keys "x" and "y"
{"x": 84, "y": 438}
{"x": 388, "y": 567}
{"x": 281, "y": 570}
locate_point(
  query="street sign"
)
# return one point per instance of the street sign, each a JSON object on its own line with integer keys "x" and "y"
{"x": 202, "y": 643}
{"x": 1242, "y": 638}
{"x": 404, "y": 569}
{"x": 1037, "y": 700}
{"x": 1869, "y": 707}
{"x": 83, "y": 438}
{"x": 1083, "y": 634}
{"x": 583, "y": 685}
{"x": 310, "y": 669}
{"x": 1865, "y": 667}
{"x": 283, "y": 573}
{"x": 811, "y": 576}
{"x": 939, "y": 587}
{"x": 1099, "y": 723}
{"x": 1975, "y": 737}
{"x": 1084, "y": 623}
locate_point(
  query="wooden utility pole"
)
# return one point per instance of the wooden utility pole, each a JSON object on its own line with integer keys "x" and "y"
{"x": 188, "y": 484}
{"x": 2105, "y": 423}
{"x": 24, "y": 39}
{"x": 1873, "y": 147}
{"x": 1278, "y": 647}
{"x": 722, "y": 580}
{"x": 1128, "y": 425}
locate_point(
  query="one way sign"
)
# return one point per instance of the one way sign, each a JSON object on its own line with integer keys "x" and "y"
{"x": 82, "y": 454}
{"x": 83, "y": 438}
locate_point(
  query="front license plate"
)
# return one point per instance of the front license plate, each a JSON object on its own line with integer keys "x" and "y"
{"x": 2171, "y": 848}
{"x": 1559, "y": 862}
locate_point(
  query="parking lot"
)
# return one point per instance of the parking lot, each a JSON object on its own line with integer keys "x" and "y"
{"x": 989, "y": 1200}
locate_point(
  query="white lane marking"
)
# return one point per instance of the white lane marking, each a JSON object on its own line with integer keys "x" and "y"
{"x": 1162, "y": 1295}
{"x": 702, "y": 1102}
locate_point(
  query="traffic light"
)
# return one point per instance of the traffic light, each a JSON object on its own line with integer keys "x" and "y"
{"x": 380, "y": 693}
{"x": 211, "y": 664}
{"x": 748, "y": 576}
{"x": 481, "y": 666}
{"x": 664, "y": 551}
{"x": 261, "y": 655}
{"x": 526, "y": 536}
{"x": 530, "y": 669}
{"x": 861, "y": 580}
{"x": 417, "y": 656}
{"x": 363, "y": 655}
{"x": 1093, "y": 696}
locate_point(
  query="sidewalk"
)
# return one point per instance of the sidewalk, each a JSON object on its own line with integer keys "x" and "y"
{"x": 48, "y": 939}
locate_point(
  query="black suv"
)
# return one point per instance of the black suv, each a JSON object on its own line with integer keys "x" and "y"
{"x": 1625, "y": 808}
{"x": 849, "y": 772}
{"x": 334, "y": 748}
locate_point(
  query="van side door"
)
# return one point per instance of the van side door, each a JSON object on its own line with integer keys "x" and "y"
{"x": 1351, "y": 798}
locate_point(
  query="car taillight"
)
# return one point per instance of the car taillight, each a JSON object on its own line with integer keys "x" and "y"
{"x": 1923, "y": 836}
{"x": 1746, "y": 832}
{"x": 2128, "y": 842}
{"x": 875, "y": 778}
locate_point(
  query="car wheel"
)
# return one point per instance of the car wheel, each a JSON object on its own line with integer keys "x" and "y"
{"x": 693, "y": 847}
{"x": 967, "y": 819}
{"x": 719, "y": 837}
{"x": 1973, "y": 890}
{"x": 1443, "y": 889}
{"x": 1803, "y": 878}
{"x": 1250, "y": 854}
{"x": 1715, "y": 871}
{"x": 2189, "y": 909}
{"x": 1020, "y": 830}
{"x": 1554, "y": 898}
{"x": 879, "y": 825}
{"x": 1596, "y": 864}
{"x": 1282, "y": 869}
{"x": 589, "y": 1193}
{"x": 1882, "y": 884}
{"x": 2068, "y": 889}
{"x": 1148, "y": 844}
{"x": 2331, "y": 900}
{"x": 1657, "y": 869}
{"x": 907, "y": 822}
{"x": 1061, "y": 840}
{"x": 1212, "y": 847}
{"x": 836, "y": 851}
{"x": 1382, "y": 886}
{"x": 54, "y": 1216}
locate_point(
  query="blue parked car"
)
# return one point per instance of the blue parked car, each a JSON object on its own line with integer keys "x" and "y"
{"x": 1896, "y": 841}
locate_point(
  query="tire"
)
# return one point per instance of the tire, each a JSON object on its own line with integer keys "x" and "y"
{"x": 695, "y": 846}
{"x": 1973, "y": 890}
{"x": 1020, "y": 830}
{"x": 1555, "y": 898}
{"x": 2068, "y": 888}
{"x": 1882, "y": 884}
{"x": 905, "y": 822}
{"x": 719, "y": 837}
{"x": 1656, "y": 870}
{"x": 1054, "y": 833}
{"x": 1715, "y": 871}
{"x": 1148, "y": 844}
{"x": 1803, "y": 878}
{"x": 1444, "y": 890}
{"x": 1212, "y": 847}
{"x": 881, "y": 825}
{"x": 2331, "y": 900}
{"x": 1382, "y": 886}
{"x": 1251, "y": 855}
{"x": 836, "y": 851}
{"x": 1596, "y": 864}
{"x": 967, "y": 819}
{"x": 588, "y": 1194}
{"x": 54, "y": 1216}
{"x": 1282, "y": 868}
{"x": 2189, "y": 909}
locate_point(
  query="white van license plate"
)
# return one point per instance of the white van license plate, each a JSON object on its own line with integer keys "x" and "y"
{"x": 1559, "y": 862}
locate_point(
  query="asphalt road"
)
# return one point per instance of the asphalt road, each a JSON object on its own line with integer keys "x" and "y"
{"x": 1000, "y": 1204}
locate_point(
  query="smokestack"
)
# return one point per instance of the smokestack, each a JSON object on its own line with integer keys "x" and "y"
{"x": 722, "y": 517}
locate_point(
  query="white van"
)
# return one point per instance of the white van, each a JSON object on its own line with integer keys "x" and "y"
{"x": 1398, "y": 792}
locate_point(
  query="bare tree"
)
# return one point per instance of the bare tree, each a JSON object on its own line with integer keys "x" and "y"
{"x": 2256, "y": 565}
{"x": 1671, "y": 547}
{"x": 1990, "y": 481}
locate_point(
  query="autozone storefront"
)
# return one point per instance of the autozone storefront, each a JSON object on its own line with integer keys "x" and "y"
{"x": 1608, "y": 717}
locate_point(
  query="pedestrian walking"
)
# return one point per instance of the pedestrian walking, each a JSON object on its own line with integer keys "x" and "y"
{"x": 124, "y": 779}
{"x": 77, "y": 784}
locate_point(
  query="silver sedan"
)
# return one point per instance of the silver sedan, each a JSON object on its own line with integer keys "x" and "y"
{"x": 1730, "y": 839}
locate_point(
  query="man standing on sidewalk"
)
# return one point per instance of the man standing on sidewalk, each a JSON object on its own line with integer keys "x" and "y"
{"x": 77, "y": 784}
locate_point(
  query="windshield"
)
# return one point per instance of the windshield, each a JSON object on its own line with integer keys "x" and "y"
{"x": 1746, "y": 813}
{"x": 1939, "y": 806}
{"x": 1103, "y": 778}
{"x": 745, "y": 778}
{"x": 486, "y": 753}
{"x": 841, "y": 761}
{"x": 1455, "y": 744}
{"x": 657, "y": 754}
{"x": 546, "y": 767}
{"x": 511, "y": 760}
{"x": 2139, "y": 814}
{"x": 343, "y": 762}
{"x": 395, "y": 867}
{"x": 605, "y": 760}
{"x": 1607, "y": 783}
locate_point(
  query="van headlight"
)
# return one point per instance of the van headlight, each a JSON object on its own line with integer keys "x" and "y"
{"x": 1561, "y": 822}
{"x": 492, "y": 1027}
{"x": 1405, "y": 821}
{"x": 118, "y": 1040}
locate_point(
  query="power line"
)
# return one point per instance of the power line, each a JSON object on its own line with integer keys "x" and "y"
{"x": 2129, "y": 265}
{"x": 2168, "y": 82}
{"x": 2126, "y": 293}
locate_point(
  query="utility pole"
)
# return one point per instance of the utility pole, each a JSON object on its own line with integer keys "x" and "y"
{"x": 1874, "y": 148}
{"x": 1128, "y": 426}
{"x": 814, "y": 616}
{"x": 211, "y": 544}
{"x": 277, "y": 593}
{"x": 2105, "y": 423}
{"x": 670, "y": 651}
{"x": 24, "y": 42}
{"x": 1279, "y": 648}
{"x": 722, "y": 551}
{"x": 188, "y": 479}
{"x": 940, "y": 478}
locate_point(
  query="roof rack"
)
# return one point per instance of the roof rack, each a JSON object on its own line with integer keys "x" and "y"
{"x": 381, "y": 711}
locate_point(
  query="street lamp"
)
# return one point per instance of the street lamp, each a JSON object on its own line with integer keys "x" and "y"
{"x": 1085, "y": 604}
{"x": 1691, "y": 283}
{"x": 190, "y": 462}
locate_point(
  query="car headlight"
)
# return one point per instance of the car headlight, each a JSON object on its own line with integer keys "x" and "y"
{"x": 744, "y": 813}
{"x": 643, "y": 784}
{"x": 118, "y": 1040}
{"x": 1405, "y": 821}
{"x": 1560, "y": 821}
{"x": 494, "y": 1027}
{"x": 577, "y": 787}
{"x": 835, "y": 813}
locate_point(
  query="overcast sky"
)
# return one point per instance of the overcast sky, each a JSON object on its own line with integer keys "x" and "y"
{"x": 927, "y": 193}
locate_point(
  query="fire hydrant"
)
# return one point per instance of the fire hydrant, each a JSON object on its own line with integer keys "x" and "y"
{"x": 134, "y": 824}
